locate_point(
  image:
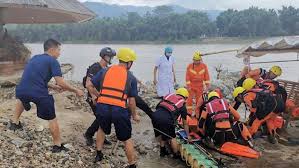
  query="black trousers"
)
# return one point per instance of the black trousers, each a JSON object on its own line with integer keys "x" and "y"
{"x": 93, "y": 128}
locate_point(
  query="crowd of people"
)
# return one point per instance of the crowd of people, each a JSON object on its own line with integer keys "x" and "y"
{"x": 113, "y": 98}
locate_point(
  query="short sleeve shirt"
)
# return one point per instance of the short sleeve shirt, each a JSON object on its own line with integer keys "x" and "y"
{"x": 37, "y": 73}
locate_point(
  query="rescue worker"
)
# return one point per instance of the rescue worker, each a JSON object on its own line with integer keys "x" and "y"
{"x": 106, "y": 55}
{"x": 34, "y": 87}
{"x": 197, "y": 81}
{"x": 166, "y": 74}
{"x": 219, "y": 121}
{"x": 203, "y": 101}
{"x": 258, "y": 75}
{"x": 164, "y": 120}
{"x": 264, "y": 107}
{"x": 116, "y": 103}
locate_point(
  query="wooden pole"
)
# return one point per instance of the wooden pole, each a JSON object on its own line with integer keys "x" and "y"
{"x": 219, "y": 52}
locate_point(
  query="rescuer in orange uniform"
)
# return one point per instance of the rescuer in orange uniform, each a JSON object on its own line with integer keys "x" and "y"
{"x": 197, "y": 81}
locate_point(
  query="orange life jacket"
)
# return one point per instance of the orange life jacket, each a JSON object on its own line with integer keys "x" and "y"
{"x": 113, "y": 88}
{"x": 219, "y": 109}
{"x": 172, "y": 102}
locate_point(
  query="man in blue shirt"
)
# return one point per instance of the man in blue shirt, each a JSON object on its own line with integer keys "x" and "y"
{"x": 34, "y": 88}
{"x": 116, "y": 102}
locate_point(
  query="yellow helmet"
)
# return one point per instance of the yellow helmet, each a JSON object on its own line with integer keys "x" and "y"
{"x": 126, "y": 55}
{"x": 276, "y": 70}
{"x": 248, "y": 83}
{"x": 197, "y": 56}
{"x": 183, "y": 92}
{"x": 213, "y": 94}
{"x": 238, "y": 91}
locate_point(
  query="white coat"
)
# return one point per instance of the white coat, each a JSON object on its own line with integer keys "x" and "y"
{"x": 165, "y": 83}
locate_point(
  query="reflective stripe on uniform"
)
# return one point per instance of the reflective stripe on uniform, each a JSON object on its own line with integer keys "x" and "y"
{"x": 201, "y": 72}
{"x": 189, "y": 107}
{"x": 192, "y": 71}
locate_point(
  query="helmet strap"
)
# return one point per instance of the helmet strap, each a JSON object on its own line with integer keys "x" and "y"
{"x": 108, "y": 61}
{"x": 129, "y": 65}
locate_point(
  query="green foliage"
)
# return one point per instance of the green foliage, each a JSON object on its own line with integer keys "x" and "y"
{"x": 163, "y": 24}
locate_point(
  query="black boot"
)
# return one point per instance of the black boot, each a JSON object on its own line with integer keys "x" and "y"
{"x": 58, "y": 149}
{"x": 131, "y": 166}
{"x": 99, "y": 156}
{"x": 176, "y": 156}
{"x": 14, "y": 127}
{"x": 163, "y": 151}
{"x": 272, "y": 139}
{"x": 88, "y": 139}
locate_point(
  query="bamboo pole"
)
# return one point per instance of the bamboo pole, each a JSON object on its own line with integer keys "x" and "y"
{"x": 219, "y": 52}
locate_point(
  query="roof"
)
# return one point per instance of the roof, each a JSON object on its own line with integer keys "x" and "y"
{"x": 271, "y": 45}
{"x": 9, "y": 10}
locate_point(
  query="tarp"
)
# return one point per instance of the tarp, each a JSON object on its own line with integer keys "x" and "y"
{"x": 271, "y": 45}
{"x": 43, "y": 11}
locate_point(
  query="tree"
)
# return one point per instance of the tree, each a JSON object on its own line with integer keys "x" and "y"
{"x": 289, "y": 18}
{"x": 163, "y": 11}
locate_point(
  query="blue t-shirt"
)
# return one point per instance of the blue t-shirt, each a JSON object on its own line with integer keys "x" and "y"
{"x": 133, "y": 92}
{"x": 37, "y": 73}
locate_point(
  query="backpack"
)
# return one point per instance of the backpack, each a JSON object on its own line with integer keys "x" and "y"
{"x": 264, "y": 102}
{"x": 96, "y": 67}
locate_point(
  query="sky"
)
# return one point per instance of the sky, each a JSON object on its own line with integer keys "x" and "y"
{"x": 207, "y": 4}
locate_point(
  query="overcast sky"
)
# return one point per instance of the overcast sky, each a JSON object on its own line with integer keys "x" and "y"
{"x": 207, "y": 4}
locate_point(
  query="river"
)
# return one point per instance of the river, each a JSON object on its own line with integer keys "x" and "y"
{"x": 83, "y": 55}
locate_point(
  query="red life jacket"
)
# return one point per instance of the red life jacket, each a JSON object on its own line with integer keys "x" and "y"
{"x": 172, "y": 102}
{"x": 219, "y": 109}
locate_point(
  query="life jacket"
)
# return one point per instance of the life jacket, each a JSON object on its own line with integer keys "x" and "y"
{"x": 264, "y": 102}
{"x": 218, "y": 109}
{"x": 268, "y": 84}
{"x": 172, "y": 102}
{"x": 114, "y": 87}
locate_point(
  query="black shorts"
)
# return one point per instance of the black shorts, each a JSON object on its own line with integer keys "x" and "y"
{"x": 45, "y": 106}
{"x": 163, "y": 124}
{"x": 118, "y": 116}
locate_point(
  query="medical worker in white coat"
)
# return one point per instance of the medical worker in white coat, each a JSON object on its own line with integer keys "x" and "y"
{"x": 166, "y": 75}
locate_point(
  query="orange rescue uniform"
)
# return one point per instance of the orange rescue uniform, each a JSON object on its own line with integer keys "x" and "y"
{"x": 269, "y": 118}
{"x": 197, "y": 77}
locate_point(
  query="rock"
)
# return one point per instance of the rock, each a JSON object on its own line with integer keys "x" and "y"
{"x": 156, "y": 150}
{"x": 18, "y": 152}
{"x": 148, "y": 147}
{"x": 105, "y": 165}
{"x": 141, "y": 149}
{"x": 18, "y": 142}
{"x": 80, "y": 162}
{"x": 7, "y": 84}
{"x": 40, "y": 128}
{"x": 69, "y": 146}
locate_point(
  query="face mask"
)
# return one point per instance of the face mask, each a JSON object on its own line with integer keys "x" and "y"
{"x": 168, "y": 54}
